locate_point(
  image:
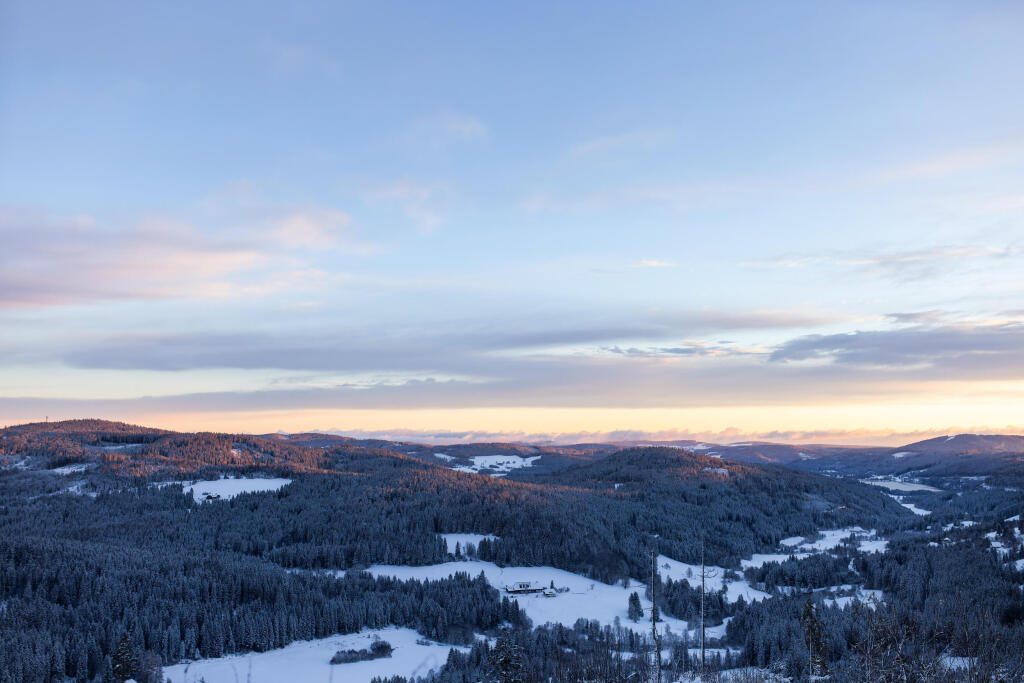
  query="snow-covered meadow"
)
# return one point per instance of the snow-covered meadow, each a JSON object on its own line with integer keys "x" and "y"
{"x": 714, "y": 579}
{"x": 496, "y": 465}
{"x": 896, "y": 485}
{"x": 585, "y": 598}
{"x": 462, "y": 539}
{"x": 225, "y": 489}
{"x": 310, "y": 660}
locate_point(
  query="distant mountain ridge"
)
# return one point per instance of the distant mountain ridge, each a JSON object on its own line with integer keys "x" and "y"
{"x": 153, "y": 449}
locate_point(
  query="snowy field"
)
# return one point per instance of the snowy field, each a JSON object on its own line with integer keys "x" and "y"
{"x": 462, "y": 539}
{"x": 497, "y": 465}
{"x": 830, "y": 540}
{"x": 70, "y": 469}
{"x": 310, "y": 661}
{"x": 893, "y": 485}
{"x": 866, "y": 596}
{"x": 229, "y": 488}
{"x": 761, "y": 559}
{"x": 921, "y": 512}
{"x": 585, "y": 599}
{"x": 873, "y": 545}
{"x": 715, "y": 579}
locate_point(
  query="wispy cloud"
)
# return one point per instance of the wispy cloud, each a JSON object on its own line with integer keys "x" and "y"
{"x": 293, "y": 59}
{"x": 460, "y": 348}
{"x": 856, "y": 437}
{"x": 951, "y": 349}
{"x": 447, "y": 128}
{"x": 50, "y": 261}
{"x": 653, "y": 263}
{"x": 625, "y": 142}
{"x": 314, "y": 228}
{"x": 425, "y": 204}
{"x": 908, "y": 264}
{"x": 954, "y": 162}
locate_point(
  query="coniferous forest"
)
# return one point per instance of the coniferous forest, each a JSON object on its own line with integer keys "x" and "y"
{"x": 109, "y": 570}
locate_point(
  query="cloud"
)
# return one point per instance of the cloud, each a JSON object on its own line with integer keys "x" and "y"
{"x": 901, "y": 265}
{"x": 632, "y": 141}
{"x": 425, "y": 204}
{"x": 858, "y": 437}
{"x": 917, "y": 317}
{"x": 951, "y": 349}
{"x": 447, "y": 128}
{"x": 292, "y": 59}
{"x": 460, "y": 348}
{"x": 954, "y": 162}
{"x": 52, "y": 261}
{"x": 654, "y": 263}
{"x": 317, "y": 228}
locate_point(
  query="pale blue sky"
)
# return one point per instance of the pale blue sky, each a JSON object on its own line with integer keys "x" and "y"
{"x": 388, "y": 216}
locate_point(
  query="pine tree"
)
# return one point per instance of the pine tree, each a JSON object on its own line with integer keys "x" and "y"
{"x": 635, "y": 610}
{"x": 123, "y": 660}
{"x": 505, "y": 661}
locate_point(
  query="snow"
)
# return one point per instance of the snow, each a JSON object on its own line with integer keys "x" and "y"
{"x": 902, "y": 454}
{"x": 710, "y": 631}
{"x": 701, "y": 447}
{"x": 585, "y": 599}
{"x": 893, "y": 485}
{"x": 70, "y": 469}
{"x": 310, "y": 661}
{"x": 678, "y": 571}
{"x": 462, "y": 539}
{"x": 444, "y": 456}
{"x": 950, "y": 438}
{"x": 737, "y": 445}
{"x": 831, "y": 538}
{"x": 500, "y": 465}
{"x": 806, "y": 456}
{"x": 866, "y": 596}
{"x": 916, "y": 510}
{"x": 996, "y": 544}
{"x": 761, "y": 559}
{"x": 229, "y": 488}
{"x": 1015, "y": 518}
{"x": 957, "y": 663}
{"x": 717, "y": 470}
{"x": 876, "y": 545}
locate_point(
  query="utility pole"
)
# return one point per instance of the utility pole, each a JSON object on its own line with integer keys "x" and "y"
{"x": 654, "y": 616}
{"x": 704, "y": 575}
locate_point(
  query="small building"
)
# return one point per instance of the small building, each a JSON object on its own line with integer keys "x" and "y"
{"x": 550, "y": 592}
{"x": 523, "y": 587}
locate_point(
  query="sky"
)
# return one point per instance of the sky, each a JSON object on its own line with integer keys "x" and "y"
{"x": 794, "y": 221}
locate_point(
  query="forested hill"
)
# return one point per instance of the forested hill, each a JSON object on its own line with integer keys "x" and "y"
{"x": 102, "y": 542}
{"x": 600, "y": 518}
{"x": 678, "y": 498}
{"x": 128, "y": 450}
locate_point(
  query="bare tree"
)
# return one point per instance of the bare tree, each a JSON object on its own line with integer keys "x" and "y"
{"x": 705, "y": 574}
{"x": 654, "y": 617}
